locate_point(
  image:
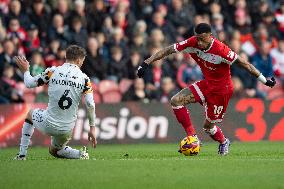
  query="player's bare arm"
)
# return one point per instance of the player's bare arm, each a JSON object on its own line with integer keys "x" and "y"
{"x": 255, "y": 72}
{"x": 157, "y": 56}
{"x": 89, "y": 101}
{"x": 161, "y": 54}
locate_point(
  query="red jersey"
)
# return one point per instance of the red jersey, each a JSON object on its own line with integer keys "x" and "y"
{"x": 214, "y": 63}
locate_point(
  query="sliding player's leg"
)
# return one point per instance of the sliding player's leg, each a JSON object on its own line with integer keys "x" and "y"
{"x": 27, "y": 132}
{"x": 178, "y": 102}
{"x": 59, "y": 149}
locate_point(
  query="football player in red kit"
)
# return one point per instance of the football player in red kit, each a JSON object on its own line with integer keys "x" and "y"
{"x": 215, "y": 91}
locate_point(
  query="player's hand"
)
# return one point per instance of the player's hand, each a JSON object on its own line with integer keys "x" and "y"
{"x": 141, "y": 69}
{"x": 270, "y": 82}
{"x": 22, "y": 63}
{"x": 92, "y": 137}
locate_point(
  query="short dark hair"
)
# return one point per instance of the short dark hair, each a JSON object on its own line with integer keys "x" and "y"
{"x": 202, "y": 28}
{"x": 74, "y": 52}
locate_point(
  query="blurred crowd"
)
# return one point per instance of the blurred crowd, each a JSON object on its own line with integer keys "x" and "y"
{"x": 120, "y": 34}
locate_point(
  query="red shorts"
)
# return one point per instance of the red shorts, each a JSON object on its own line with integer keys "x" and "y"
{"x": 215, "y": 104}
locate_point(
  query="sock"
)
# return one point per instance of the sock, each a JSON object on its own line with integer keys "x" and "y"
{"x": 27, "y": 132}
{"x": 216, "y": 134}
{"x": 182, "y": 115}
{"x": 69, "y": 153}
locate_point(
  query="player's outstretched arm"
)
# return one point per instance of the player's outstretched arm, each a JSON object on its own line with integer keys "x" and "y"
{"x": 255, "y": 72}
{"x": 90, "y": 104}
{"x": 157, "y": 56}
{"x": 24, "y": 66}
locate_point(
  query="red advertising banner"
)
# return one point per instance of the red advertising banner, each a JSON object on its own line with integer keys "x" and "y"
{"x": 246, "y": 120}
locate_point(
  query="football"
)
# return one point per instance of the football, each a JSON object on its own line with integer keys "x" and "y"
{"x": 189, "y": 146}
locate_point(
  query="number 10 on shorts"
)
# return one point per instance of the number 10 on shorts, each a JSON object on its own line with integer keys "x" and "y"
{"x": 217, "y": 109}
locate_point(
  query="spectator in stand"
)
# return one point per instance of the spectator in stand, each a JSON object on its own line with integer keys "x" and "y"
{"x": 279, "y": 14}
{"x": 134, "y": 61}
{"x": 117, "y": 39}
{"x": 103, "y": 48}
{"x": 157, "y": 38}
{"x": 32, "y": 41}
{"x": 8, "y": 87}
{"x": 62, "y": 7}
{"x": 181, "y": 16}
{"x": 117, "y": 66}
{"x": 59, "y": 31}
{"x": 96, "y": 13}
{"x": 40, "y": 16}
{"x": 2, "y": 31}
{"x": 51, "y": 53}
{"x": 262, "y": 60}
{"x": 15, "y": 11}
{"x": 79, "y": 11}
{"x": 261, "y": 35}
{"x": 242, "y": 23}
{"x": 202, "y": 6}
{"x": 143, "y": 10}
{"x": 188, "y": 73}
{"x": 78, "y": 34}
{"x": 166, "y": 91}
{"x": 159, "y": 22}
{"x": 107, "y": 27}
{"x": 16, "y": 31}
{"x": 6, "y": 57}
{"x": 128, "y": 23}
{"x": 137, "y": 92}
{"x": 140, "y": 28}
{"x": 218, "y": 24}
{"x": 95, "y": 67}
{"x": 278, "y": 57}
{"x": 138, "y": 43}
{"x": 37, "y": 63}
{"x": 260, "y": 9}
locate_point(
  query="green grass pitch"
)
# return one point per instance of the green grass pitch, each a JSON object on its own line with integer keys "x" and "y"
{"x": 249, "y": 165}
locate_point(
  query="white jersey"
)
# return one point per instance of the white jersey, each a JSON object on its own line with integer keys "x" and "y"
{"x": 66, "y": 84}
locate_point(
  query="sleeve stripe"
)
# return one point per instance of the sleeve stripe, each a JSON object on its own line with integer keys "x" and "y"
{"x": 49, "y": 74}
{"x": 175, "y": 47}
{"x": 236, "y": 57}
{"x": 231, "y": 62}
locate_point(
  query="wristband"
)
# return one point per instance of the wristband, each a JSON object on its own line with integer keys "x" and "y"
{"x": 262, "y": 79}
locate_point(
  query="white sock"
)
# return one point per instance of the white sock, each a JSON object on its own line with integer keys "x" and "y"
{"x": 69, "y": 153}
{"x": 27, "y": 132}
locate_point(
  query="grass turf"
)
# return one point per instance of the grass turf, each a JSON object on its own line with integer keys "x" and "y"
{"x": 249, "y": 165}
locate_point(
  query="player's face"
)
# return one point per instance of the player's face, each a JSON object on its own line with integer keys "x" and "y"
{"x": 203, "y": 40}
{"x": 80, "y": 62}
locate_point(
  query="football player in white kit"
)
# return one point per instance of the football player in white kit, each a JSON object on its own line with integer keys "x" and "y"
{"x": 66, "y": 85}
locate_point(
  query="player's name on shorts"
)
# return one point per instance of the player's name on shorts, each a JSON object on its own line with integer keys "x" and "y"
{"x": 68, "y": 83}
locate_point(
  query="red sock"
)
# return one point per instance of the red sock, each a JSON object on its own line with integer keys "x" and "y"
{"x": 216, "y": 134}
{"x": 182, "y": 115}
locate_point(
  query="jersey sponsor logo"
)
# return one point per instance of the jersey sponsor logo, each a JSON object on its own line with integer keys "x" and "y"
{"x": 208, "y": 57}
{"x": 67, "y": 83}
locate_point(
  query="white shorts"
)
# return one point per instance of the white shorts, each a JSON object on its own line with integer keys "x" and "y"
{"x": 59, "y": 139}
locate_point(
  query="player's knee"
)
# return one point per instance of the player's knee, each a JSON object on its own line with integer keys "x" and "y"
{"x": 29, "y": 117}
{"x": 207, "y": 125}
{"x": 175, "y": 101}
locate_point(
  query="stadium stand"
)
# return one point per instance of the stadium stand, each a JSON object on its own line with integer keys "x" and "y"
{"x": 120, "y": 34}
